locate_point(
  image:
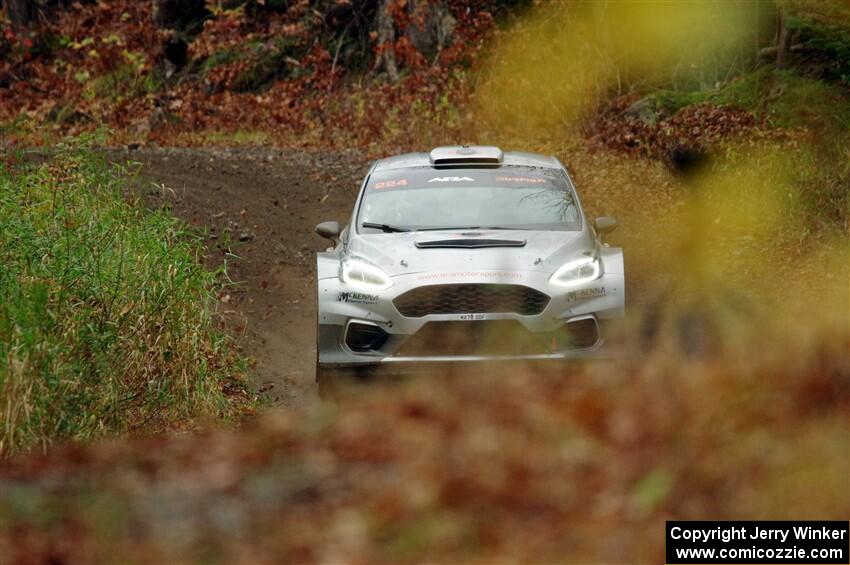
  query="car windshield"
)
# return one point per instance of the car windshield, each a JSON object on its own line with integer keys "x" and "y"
{"x": 511, "y": 197}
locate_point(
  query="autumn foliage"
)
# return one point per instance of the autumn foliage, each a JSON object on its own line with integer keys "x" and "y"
{"x": 730, "y": 400}
{"x": 296, "y": 75}
{"x": 502, "y": 465}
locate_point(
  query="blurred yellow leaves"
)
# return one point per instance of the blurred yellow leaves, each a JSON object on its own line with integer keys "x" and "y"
{"x": 554, "y": 66}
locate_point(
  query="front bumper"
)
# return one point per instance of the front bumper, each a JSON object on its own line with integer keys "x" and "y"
{"x": 340, "y": 306}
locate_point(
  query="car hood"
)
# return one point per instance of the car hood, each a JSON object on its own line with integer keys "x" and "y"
{"x": 447, "y": 251}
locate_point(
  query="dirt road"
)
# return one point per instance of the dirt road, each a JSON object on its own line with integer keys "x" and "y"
{"x": 261, "y": 205}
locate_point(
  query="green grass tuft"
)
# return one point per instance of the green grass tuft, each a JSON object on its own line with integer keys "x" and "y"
{"x": 266, "y": 64}
{"x": 223, "y": 57}
{"x": 106, "y": 311}
{"x": 783, "y": 98}
{"x": 825, "y": 43}
{"x": 788, "y": 100}
{"x": 125, "y": 82}
{"x": 671, "y": 101}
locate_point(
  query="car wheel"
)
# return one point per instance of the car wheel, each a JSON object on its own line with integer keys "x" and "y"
{"x": 333, "y": 382}
{"x": 328, "y": 387}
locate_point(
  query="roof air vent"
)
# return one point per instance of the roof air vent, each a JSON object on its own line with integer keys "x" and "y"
{"x": 466, "y": 155}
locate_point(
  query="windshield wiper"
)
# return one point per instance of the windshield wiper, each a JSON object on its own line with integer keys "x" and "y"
{"x": 386, "y": 228}
{"x": 450, "y": 228}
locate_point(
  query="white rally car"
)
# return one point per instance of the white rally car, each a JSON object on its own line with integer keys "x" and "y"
{"x": 465, "y": 254}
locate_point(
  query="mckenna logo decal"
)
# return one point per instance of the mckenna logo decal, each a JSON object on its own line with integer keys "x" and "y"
{"x": 357, "y": 298}
{"x": 586, "y": 293}
{"x": 451, "y": 179}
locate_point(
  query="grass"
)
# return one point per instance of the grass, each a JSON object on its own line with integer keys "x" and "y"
{"x": 218, "y": 138}
{"x": 671, "y": 101}
{"x": 106, "y": 312}
{"x": 125, "y": 82}
{"x": 782, "y": 98}
{"x": 785, "y": 99}
{"x": 829, "y": 40}
{"x": 265, "y": 64}
{"x": 223, "y": 57}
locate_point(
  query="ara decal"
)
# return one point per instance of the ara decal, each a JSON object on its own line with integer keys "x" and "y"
{"x": 451, "y": 179}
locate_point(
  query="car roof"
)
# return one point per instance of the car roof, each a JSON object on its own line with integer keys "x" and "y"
{"x": 507, "y": 158}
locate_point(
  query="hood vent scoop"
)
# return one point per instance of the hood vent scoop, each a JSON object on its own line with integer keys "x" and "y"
{"x": 469, "y": 243}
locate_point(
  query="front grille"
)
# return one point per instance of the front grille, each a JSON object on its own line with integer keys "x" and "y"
{"x": 498, "y": 337}
{"x": 471, "y": 299}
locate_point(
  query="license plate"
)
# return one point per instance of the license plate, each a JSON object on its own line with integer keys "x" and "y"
{"x": 472, "y": 317}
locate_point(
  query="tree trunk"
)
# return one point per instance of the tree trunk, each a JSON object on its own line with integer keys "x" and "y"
{"x": 783, "y": 43}
{"x": 431, "y": 26}
{"x": 21, "y": 12}
{"x": 185, "y": 18}
{"x": 386, "y": 41}
{"x": 180, "y": 15}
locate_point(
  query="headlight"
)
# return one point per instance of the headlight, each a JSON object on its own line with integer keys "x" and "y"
{"x": 360, "y": 274}
{"x": 577, "y": 272}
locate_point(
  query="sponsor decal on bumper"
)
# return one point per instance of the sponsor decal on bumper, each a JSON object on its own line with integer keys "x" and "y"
{"x": 357, "y": 297}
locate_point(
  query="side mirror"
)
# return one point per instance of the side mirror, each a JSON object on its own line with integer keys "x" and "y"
{"x": 605, "y": 225}
{"x": 329, "y": 230}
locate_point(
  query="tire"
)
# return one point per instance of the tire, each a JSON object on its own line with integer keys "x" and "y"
{"x": 333, "y": 382}
{"x": 328, "y": 388}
